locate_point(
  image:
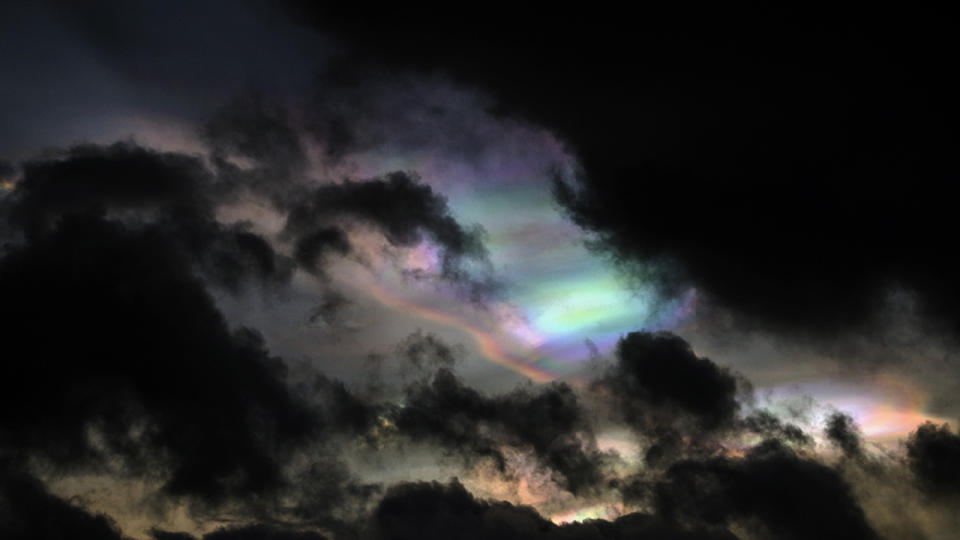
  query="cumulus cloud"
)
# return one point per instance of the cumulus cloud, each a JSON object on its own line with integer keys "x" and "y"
{"x": 933, "y": 452}
{"x": 843, "y": 433}
{"x": 674, "y": 398}
{"x": 174, "y": 193}
{"x": 471, "y": 425}
{"x": 406, "y": 211}
{"x": 779, "y": 488}
{"x": 119, "y": 357}
{"x": 116, "y": 348}
{"x": 772, "y": 489}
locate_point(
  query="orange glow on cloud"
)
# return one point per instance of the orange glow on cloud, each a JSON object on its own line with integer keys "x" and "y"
{"x": 486, "y": 340}
{"x": 886, "y": 407}
{"x": 599, "y": 511}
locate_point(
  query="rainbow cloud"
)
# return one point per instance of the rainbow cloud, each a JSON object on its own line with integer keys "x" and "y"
{"x": 543, "y": 340}
{"x": 884, "y": 406}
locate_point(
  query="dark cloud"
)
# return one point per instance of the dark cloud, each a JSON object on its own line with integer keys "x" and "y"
{"x": 256, "y": 128}
{"x": 779, "y": 160}
{"x": 344, "y": 411}
{"x": 548, "y": 420}
{"x": 843, "y": 433}
{"x": 933, "y": 453}
{"x": 120, "y": 358}
{"x": 426, "y": 351}
{"x": 115, "y": 348}
{"x": 179, "y": 195}
{"x": 398, "y": 205}
{"x": 770, "y": 426}
{"x": 658, "y": 379}
{"x": 121, "y": 364}
{"x": 92, "y": 178}
{"x": 6, "y": 170}
{"x": 124, "y": 182}
{"x": 771, "y": 489}
{"x": 28, "y": 511}
{"x": 312, "y": 248}
{"x": 251, "y": 532}
{"x": 432, "y": 510}
{"x": 406, "y": 211}
{"x": 158, "y": 534}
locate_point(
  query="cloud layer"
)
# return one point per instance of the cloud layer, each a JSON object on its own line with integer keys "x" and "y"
{"x": 794, "y": 185}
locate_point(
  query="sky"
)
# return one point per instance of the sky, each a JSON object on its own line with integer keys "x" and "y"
{"x": 284, "y": 270}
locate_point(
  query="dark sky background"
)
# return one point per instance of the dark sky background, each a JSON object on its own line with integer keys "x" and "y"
{"x": 289, "y": 270}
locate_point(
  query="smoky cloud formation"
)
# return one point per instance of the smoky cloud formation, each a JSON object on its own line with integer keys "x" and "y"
{"x": 205, "y": 436}
{"x": 406, "y": 211}
{"x": 842, "y": 432}
{"x": 778, "y": 160}
{"x": 259, "y": 129}
{"x": 658, "y": 379}
{"x": 769, "y": 426}
{"x": 432, "y": 510}
{"x": 142, "y": 366}
{"x": 471, "y": 425}
{"x": 422, "y": 350}
{"x": 789, "y": 496}
{"x": 178, "y": 196}
{"x": 28, "y": 511}
{"x": 124, "y": 364}
{"x": 119, "y": 360}
{"x": 253, "y": 532}
{"x": 933, "y": 452}
{"x": 173, "y": 192}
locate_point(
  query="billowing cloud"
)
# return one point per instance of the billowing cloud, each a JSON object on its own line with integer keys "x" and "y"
{"x": 933, "y": 452}
{"x": 252, "y": 532}
{"x": 406, "y": 211}
{"x": 108, "y": 250}
{"x": 130, "y": 184}
{"x": 116, "y": 348}
{"x": 28, "y": 510}
{"x": 658, "y": 379}
{"x": 471, "y": 425}
{"x": 771, "y": 489}
{"x": 843, "y": 433}
{"x": 432, "y": 510}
